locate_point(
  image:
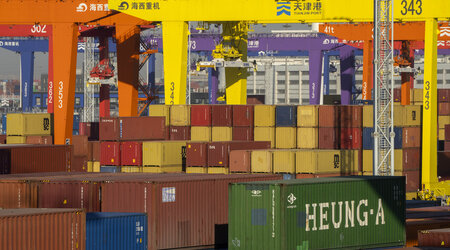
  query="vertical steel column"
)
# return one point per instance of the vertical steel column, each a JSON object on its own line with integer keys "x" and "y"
{"x": 367, "y": 84}
{"x": 315, "y": 76}
{"x": 104, "y": 101}
{"x": 50, "y": 106}
{"x": 213, "y": 83}
{"x": 326, "y": 73}
{"x": 26, "y": 79}
{"x": 347, "y": 61}
{"x": 152, "y": 72}
{"x": 384, "y": 88}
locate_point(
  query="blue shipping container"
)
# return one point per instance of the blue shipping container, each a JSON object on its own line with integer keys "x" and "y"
{"x": 111, "y": 231}
{"x": 368, "y": 138}
{"x": 109, "y": 169}
{"x": 3, "y": 124}
{"x": 286, "y": 116}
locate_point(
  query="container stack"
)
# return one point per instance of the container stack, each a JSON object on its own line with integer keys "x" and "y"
{"x": 264, "y": 121}
{"x": 25, "y": 128}
{"x": 286, "y": 127}
{"x": 243, "y": 120}
{"x": 443, "y": 111}
{"x": 200, "y": 123}
{"x": 90, "y": 129}
{"x": 94, "y": 156}
{"x": 416, "y": 96}
{"x": 80, "y": 153}
{"x": 180, "y": 120}
{"x": 447, "y": 138}
{"x": 329, "y": 127}
{"x": 308, "y": 123}
{"x": 222, "y": 122}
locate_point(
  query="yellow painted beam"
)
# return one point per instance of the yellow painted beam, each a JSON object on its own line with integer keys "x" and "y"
{"x": 277, "y": 11}
{"x": 175, "y": 36}
{"x": 429, "y": 128}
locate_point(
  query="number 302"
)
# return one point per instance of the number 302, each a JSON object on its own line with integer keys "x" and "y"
{"x": 414, "y": 6}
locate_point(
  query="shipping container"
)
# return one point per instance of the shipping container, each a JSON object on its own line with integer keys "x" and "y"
{"x": 96, "y": 151}
{"x": 351, "y": 138}
{"x": 132, "y": 128}
{"x": 264, "y": 134}
{"x": 16, "y": 139}
{"x": 29, "y": 124}
{"x": 243, "y": 115}
{"x": 115, "y": 231}
{"x": 329, "y": 116}
{"x": 240, "y": 161}
{"x": 418, "y": 95}
{"x": 196, "y": 170}
{"x": 367, "y": 116}
{"x": 441, "y": 135}
{"x": 36, "y": 158}
{"x": 39, "y": 139}
{"x": 413, "y": 115}
{"x": 18, "y": 194}
{"x": 160, "y": 110}
{"x": 443, "y": 159}
{"x": 368, "y": 138}
{"x": 201, "y": 115}
{"x": 326, "y": 161}
{"x": 264, "y": 116}
{"x": 329, "y": 138}
{"x": 91, "y": 129}
{"x": 197, "y": 154}
{"x": 439, "y": 238}
{"x": 131, "y": 169}
{"x": 397, "y": 95}
{"x": 411, "y": 137}
{"x": 261, "y": 161}
{"x": 221, "y": 134}
{"x": 447, "y": 145}
{"x": 200, "y": 133}
{"x": 2, "y": 139}
{"x": 222, "y": 116}
{"x": 180, "y": 115}
{"x": 412, "y": 180}
{"x": 163, "y": 153}
{"x": 79, "y": 163}
{"x": 42, "y": 229}
{"x": 399, "y": 116}
{"x": 413, "y": 226}
{"x": 283, "y": 161}
{"x": 219, "y": 152}
{"x": 351, "y": 116}
{"x": 109, "y": 169}
{"x": 285, "y": 116}
{"x": 308, "y": 116}
{"x": 178, "y": 133}
{"x": 443, "y": 120}
{"x": 292, "y": 214}
{"x": 110, "y": 154}
{"x": 242, "y": 134}
{"x": 447, "y": 132}
{"x": 444, "y": 108}
{"x": 80, "y": 145}
{"x": 285, "y": 137}
{"x": 307, "y": 138}
{"x": 367, "y": 156}
{"x": 131, "y": 153}
{"x": 443, "y": 95}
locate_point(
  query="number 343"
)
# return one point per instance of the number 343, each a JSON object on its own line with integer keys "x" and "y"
{"x": 411, "y": 7}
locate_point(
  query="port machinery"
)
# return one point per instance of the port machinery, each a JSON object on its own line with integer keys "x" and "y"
{"x": 174, "y": 15}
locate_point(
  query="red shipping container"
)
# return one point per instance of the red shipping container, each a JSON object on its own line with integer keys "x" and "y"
{"x": 411, "y": 137}
{"x": 329, "y": 116}
{"x": 2, "y": 139}
{"x": 242, "y": 133}
{"x": 444, "y": 108}
{"x": 351, "y": 116}
{"x": 397, "y": 95}
{"x": 80, "y": 145}
{"x": 443, "y": 95}
{"x": 91, "y": 129}
{"x": 256, "y": 99}
{"x": 240, "y": 161}
{"x": 443, "y": 166}
{"x": 351, "y": 138}
{"x": 329, "y": 138}
{"x": 222, "y": 115}
{"x": 201, "y": 115}
{"x": 447, "y": 145}
{"x": 243, "y": 116}
{"x": 219, "y": 152}
{"x": 180, "y": 133}
{"x": 447, "y": 132}
{"x": 18, "y": 194}
{"x": 96, "y": 151}
{"x": 307, "y": 176}
{"x": 131, "y": 153}
{"x": 412, "y": 180}
{"x": 110, "y": 154}
{"x": 79, "y": 163}
{"x": 40, "y": 139}
{"x": 197, "y": 154}
{"x": 132, "y": 128}
{"x": 411, "y": 159}
{"x": 439, "y": 238}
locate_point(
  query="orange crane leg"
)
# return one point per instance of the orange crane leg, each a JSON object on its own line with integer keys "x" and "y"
{"x": 64, "y": 75}
{"x": 367, "y": 70}
{"x": 128, "y": 43}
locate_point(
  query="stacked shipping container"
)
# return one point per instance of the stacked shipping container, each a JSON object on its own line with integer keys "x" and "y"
{"x": 38, "y": 127}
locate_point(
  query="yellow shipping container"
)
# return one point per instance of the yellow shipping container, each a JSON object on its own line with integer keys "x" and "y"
{"x": 368, "y": 160}
{"x": 90, "y": 166}
{"x": 350, "y": 161}
{"x": 218, "y": 170}
{"x": 221, "y": 134}
{"x": 196, "y": 170}
{"x": 307, "y": 138}
{"x": 16, "y": 139}
{"x": 418, "y": 95}
{"x": 29, "y": 124}
{"x": 265, "y": 134}
{"x": 160, "y": 110}
{"x": 96, "y": 167}
{"x": 200, "y": 133}
{"x": 308, "y": 116}
{"x": 368, "y": 116}
{"x": 442, "y": 134}
{"x": 283, "y": 161}
{"x": 162, "y": 153}
{"x": 285, "y": 137}
{"x": 131, "y": 169}
{"x": 326, "y": 161}
{"x": 264, "y": 116}
{"x": 399, "y": 115}
{"x": 261, "y": 161}
{"x": 443, "y": 120}
{"x": 413, "y": 115}
{"x": 165, "y": 169}
{"x": 180, "y": 115}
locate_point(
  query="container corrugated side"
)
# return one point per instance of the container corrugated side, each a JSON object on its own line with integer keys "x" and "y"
{"x": 222, "y": 134}
{"x": 261, "y": 161}
{"x": 160, "y": 110}
{"x": 318, "y": 213}
{"x": 29, "y": 124}
{"x": 308, "y": 116}
{"x": 264, "y": 116}
{"x": 307, "y": 137}
{"x": 200, "y": 133}
{"x": 40, "y": 158}
{"x": 285, "y": 137}
{"x": 162, "y": 153}
{"x": 283, "y": 161}
{"x": 43, "y": 229}
{"x": 265, "y": 134}
{"x": 180, "y": 115}
{"x": 18, "y": 194}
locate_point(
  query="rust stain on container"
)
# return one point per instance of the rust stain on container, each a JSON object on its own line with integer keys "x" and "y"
{"x": 200, "y": 115}
{"x": 243, "y": 115}
{"x": 132, "y": 128}
{"x": 242, "y": 133}
{"x": 43, "y": 229}
{"x": 351, "y": 116}
{"x": 329, "y": 116}
{"x": 131, "y": 154}
{"x": 110, "y": 154}
{"x": 39, "y": 139}
{"x": 197, "y": 154}
{"x": 180, "y": 133}
{"x": 222, "y": 115}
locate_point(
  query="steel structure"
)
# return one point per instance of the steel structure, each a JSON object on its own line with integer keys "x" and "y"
{"x": 90, "y": 89}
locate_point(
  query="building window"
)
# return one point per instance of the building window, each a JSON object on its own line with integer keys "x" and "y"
{"x": 281, "y": 91}
{"x": 280, "y": 100}
{"x": 293, "y": 100}
{"x": 38, "y": 101}
{"x": 294, "y": 73}
{"x": 77, "y": 101}
{"x": 294, "y": 82}
{"x": 260, "y": 73}
{"x": 281, "y": 82}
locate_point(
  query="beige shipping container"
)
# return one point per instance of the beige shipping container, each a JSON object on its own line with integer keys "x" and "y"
{"x": 160, "y": 110}
{"x": 326, "y": 161}
{"x": 265, "y": 134}
{"x": 200, "y": 133}
{"x": 221, "y": 134}
{"x": 368, "y": 116}
{"x": 285, "y": 137}
{"x": 131, "y": 169}
{"x": 418, "y": 95}
{"x": 308, "y": 116}
{"x": 96, "y": 167}
{"x": 196, "y": 170}
{"x": 162, "y": 153}
{"x": 443, "y": 120}
{"x": 307, "y": 138}
{"x": 261, "y": 161}
{"x": 283, "y": 161}
{"x": 412, "y": 115}
{"x": 28, "y": 124}
{"x": 368, "y": 160}
{"x": 90, "y": 166}
{"x": 180, "y": 115}
{"x": 264, "y": 116}
{"x": 441, "y": 134}
{"x": 399, "y": 115}
{"x": 16, "y": 139}
{"x": 218, "y": 170}
{"x": 350, "y": 161}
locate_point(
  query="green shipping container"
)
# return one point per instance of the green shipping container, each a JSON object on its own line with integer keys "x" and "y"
{"x": 317, "y": 213}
